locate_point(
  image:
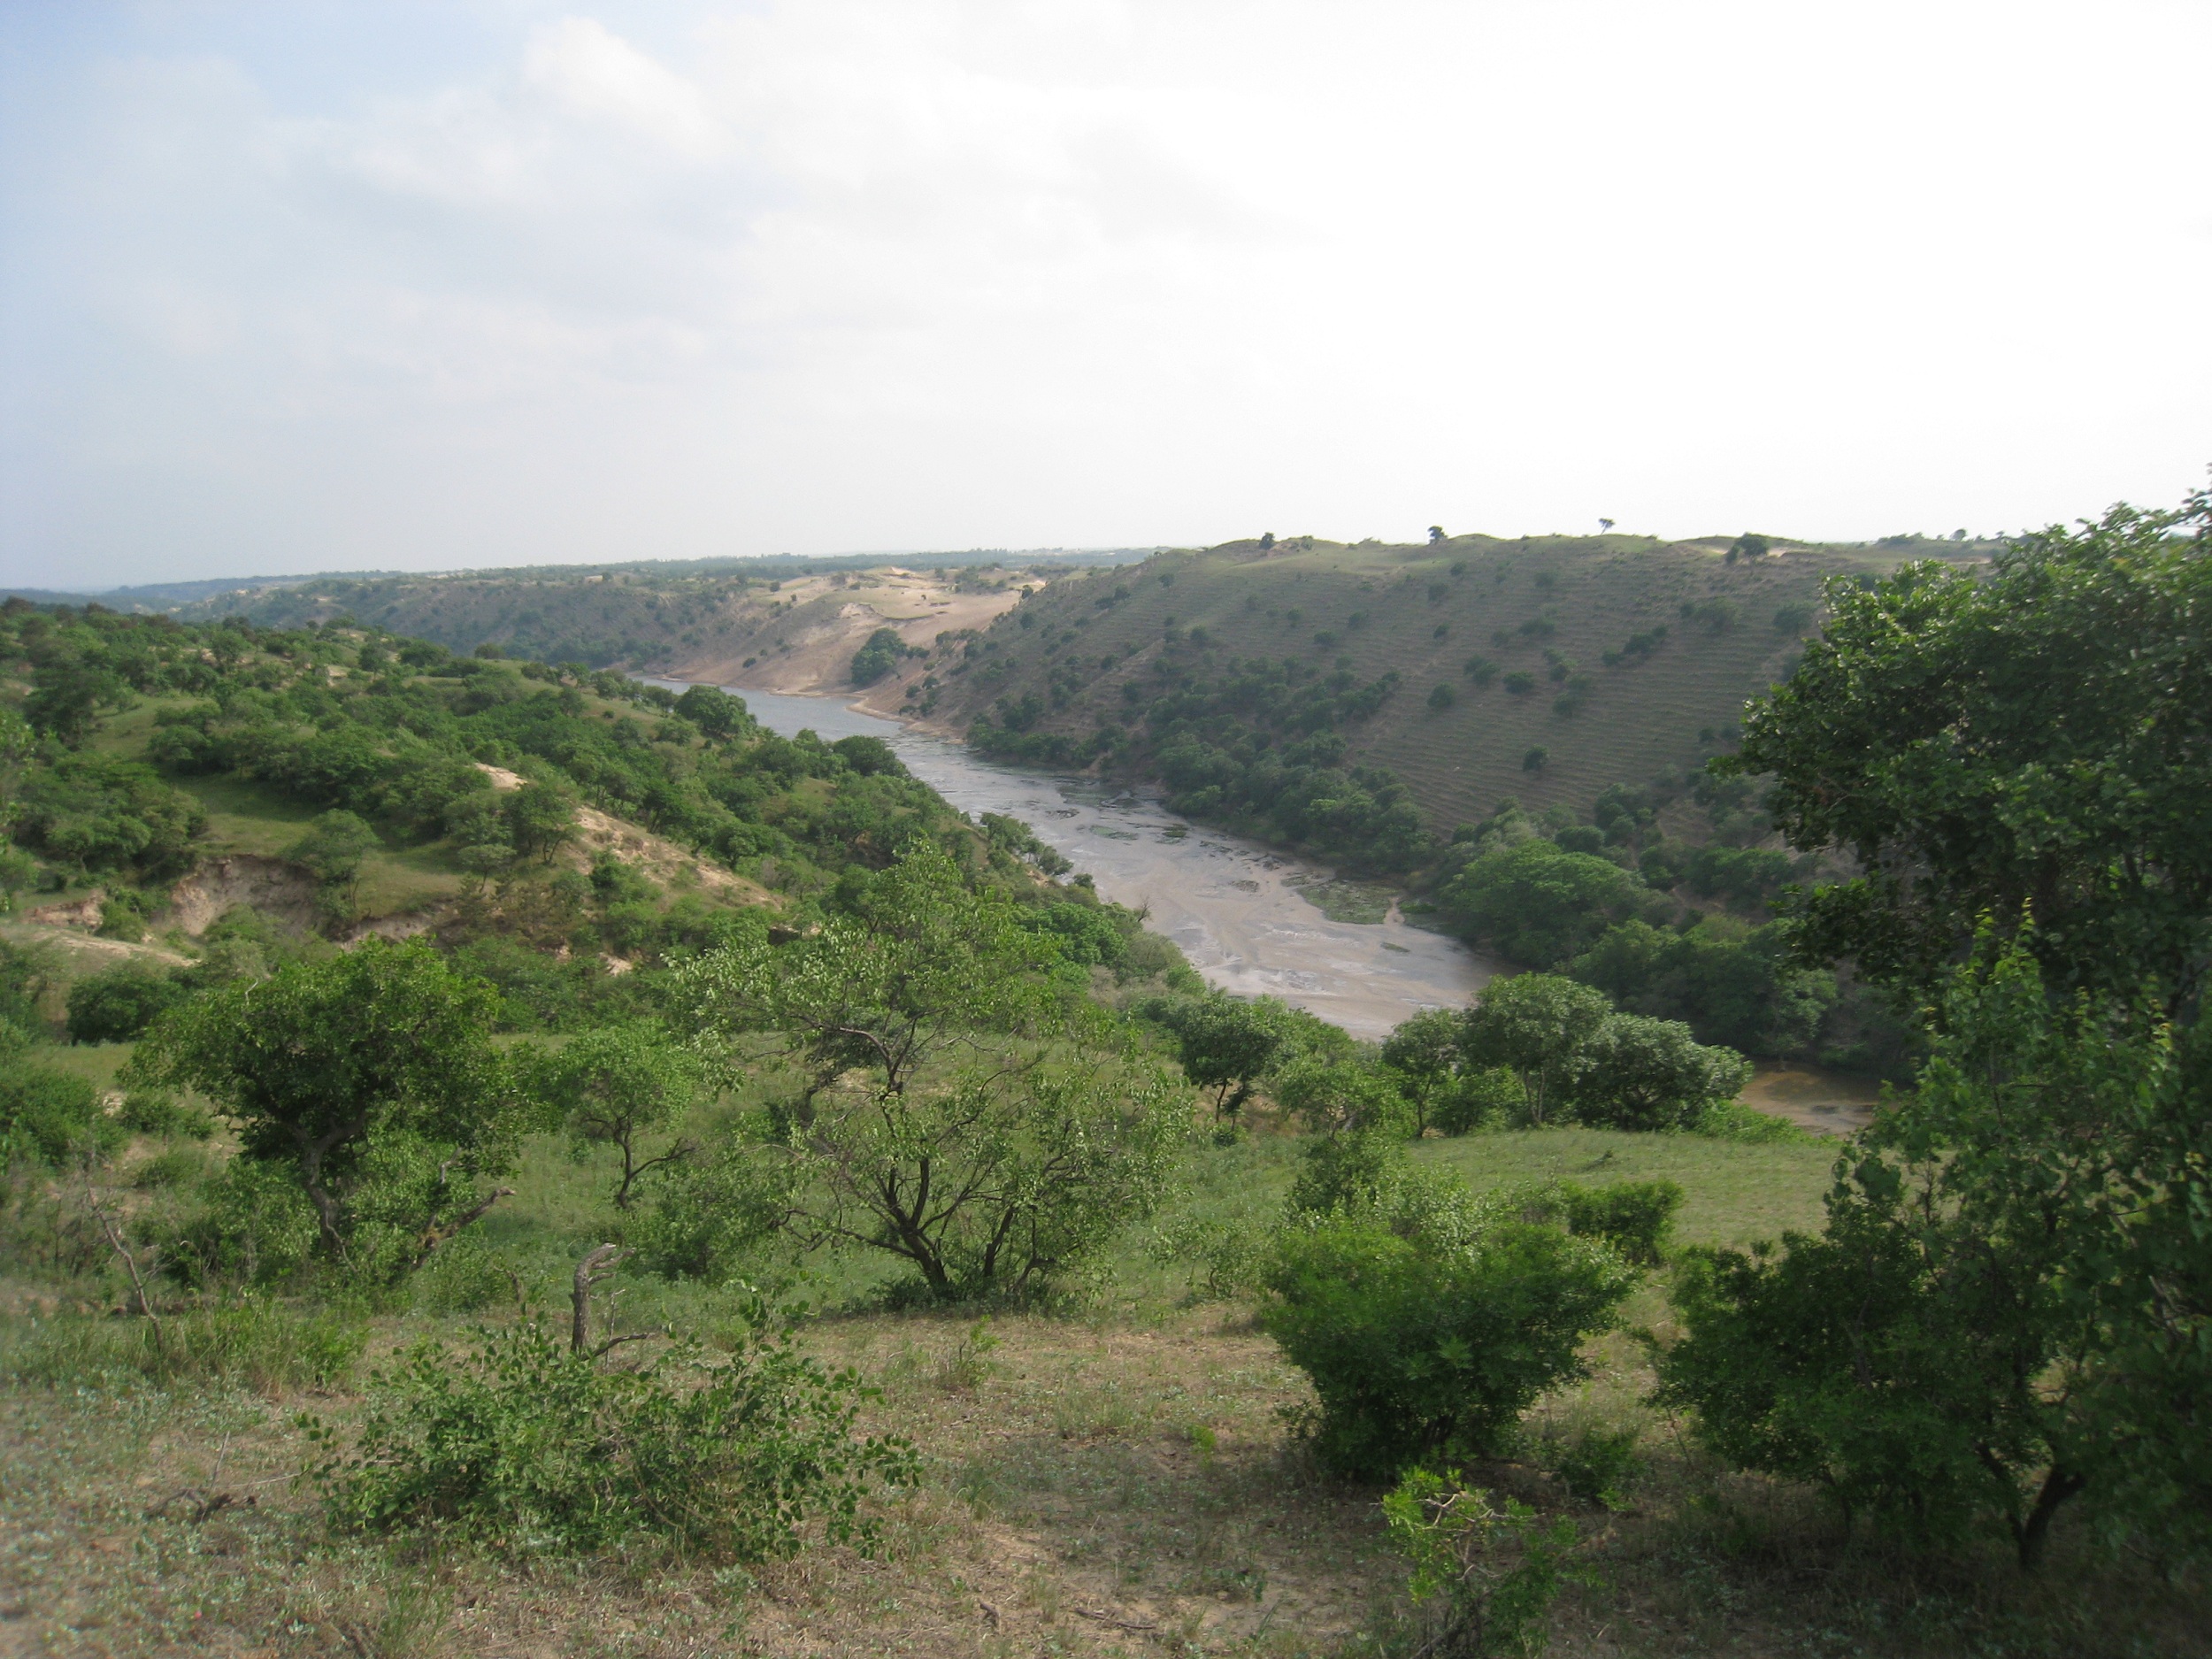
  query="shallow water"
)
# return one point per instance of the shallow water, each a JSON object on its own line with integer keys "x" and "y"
{"x": 1230, "y": 904}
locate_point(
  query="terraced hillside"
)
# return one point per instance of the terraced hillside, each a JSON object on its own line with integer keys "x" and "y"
{"x": 1615, "y": 656}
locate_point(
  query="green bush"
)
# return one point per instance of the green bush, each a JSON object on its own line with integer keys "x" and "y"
{"x": 528, "y": 1446}
{"x": 117, "y": 1006}
{"x": 1596, "y": 1465}
{"x": 1635, "y": 1217}
{"x": 1451, "y": 1535}
{"x": 1480, "y": 1099}
{"x": 251, "y": 1225}
{"x": 47, "y": 1116}
{"x": 878, "y": 657}
{"x": 1417, "y": 1353}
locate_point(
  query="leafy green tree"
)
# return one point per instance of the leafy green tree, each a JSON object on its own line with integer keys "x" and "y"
{"x": 2007, "y": 1305}
{"x": 1227, "y": 1044}
{"x": 616, "y": 1085}
{"x": 96, "y": 812}
{"x": 878, "y": 657}
{"x": 1540, "y": 903}
{"x": 322, "y": 1062}
{"x": 2027, "y": 740}
{"x": 1343, "y": 1094}
{"x": 715, "y": 713}
{"x": 923, "y": 970}
{"x": 331, "y": 851}
{"x": 940, "y": 1125}
{"x": 1731, "y": 984}
{"x": 68, "y": 694}
{"x": 540, "y": 820}
{"x": 1541, "y": 1028}
{"x": 1424, "y": 1053}
{"x": 1643, "y": 1073}
{"x": 117, "y": 1006}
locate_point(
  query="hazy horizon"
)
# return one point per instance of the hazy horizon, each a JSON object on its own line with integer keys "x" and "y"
{"x": 495, "y": 282}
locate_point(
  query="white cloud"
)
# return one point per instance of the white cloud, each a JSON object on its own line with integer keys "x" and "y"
{"x": 899, "y": 273}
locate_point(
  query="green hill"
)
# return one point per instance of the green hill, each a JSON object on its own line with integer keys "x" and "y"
{"x": 1637, "y": 653}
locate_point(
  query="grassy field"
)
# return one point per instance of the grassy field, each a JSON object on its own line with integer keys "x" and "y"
{"x": 1113, "y": 1477}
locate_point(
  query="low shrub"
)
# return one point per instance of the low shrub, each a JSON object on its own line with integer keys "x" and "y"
{"x": 529, "y": 1446}
{"x": 49, "y": 1117}
{"x": 1596, "y": 1465}
{"x": 1493, "y": 1573}
{"x": 1635, "y": 1217}
{"x": 1417, "y": 1353}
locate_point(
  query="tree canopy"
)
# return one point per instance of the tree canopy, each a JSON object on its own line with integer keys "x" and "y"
{"x": 2033, "y": 741}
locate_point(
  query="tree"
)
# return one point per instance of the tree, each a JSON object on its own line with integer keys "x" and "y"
{"x": 68, "y": 691}
{"x": 878, "y": 657}
{"x": 2027, "y": 741}
{"x": 540, "y": 820}
{"x": 117, "y": 1006}
{"x": 1643, "y": 1073}
{"x": 1267, "y": 544}
{"x": 1539, "y": 756}
{"x": 1442, "y": 697}
{"x": 1227, "y": 1043}
{"x": 379, "y": 1063}
{"x": 331, "y": 851}
{"x": 1540, "y": 1027}
{"x": 1436, "y": 534}
{"x": 1339, "y": 1094}
{"x": 1538, "y": 902}
{"x": 942, "y": 1123}
{"x": 714, "y": 711}
{"x": 1939, "y": 1356}
{"x": 923, "y": 971}
{"x": 1424, "y": 1052}
{"x": 614, "y": 1085}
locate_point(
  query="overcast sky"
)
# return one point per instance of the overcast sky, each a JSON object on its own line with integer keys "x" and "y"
{"x": 304, "y": 285}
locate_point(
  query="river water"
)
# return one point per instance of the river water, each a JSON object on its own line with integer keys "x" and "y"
{"x": 1235, "y": 907}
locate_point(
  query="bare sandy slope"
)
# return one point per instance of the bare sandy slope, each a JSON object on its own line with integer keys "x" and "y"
{"x": 831, "y": 621}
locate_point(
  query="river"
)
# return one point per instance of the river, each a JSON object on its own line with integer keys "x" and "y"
{"x": 1235, "y": 907}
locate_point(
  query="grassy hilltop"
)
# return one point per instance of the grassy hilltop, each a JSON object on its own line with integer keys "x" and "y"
{"x": 1638, "y": 653}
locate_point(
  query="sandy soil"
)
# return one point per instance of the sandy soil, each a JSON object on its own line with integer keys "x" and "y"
{"x": 1825, "y": 1102}
{"x": 819, "y": 660}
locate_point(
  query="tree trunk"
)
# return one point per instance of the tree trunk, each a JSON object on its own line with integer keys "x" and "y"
{"x": 2034, "y": 1534}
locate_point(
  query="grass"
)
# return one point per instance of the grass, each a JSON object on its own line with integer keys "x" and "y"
{"x": 1115, "y": 1478}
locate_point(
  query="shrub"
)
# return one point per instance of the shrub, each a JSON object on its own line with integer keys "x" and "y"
{"x": 878, "y": 657}
{"x": 1480, "y": 1098}
{"x": 528, "y": 1445}
{"x": 1635, "y": 1217}
{"x": 1451, "y": 1533}
{"x": 1417, "y": 1353}
{"x": 118, "y": 1004}
{"x": 1481, "y": 669}
{"x": 1442, "y": 697}
{"x": 48, "y": 1116}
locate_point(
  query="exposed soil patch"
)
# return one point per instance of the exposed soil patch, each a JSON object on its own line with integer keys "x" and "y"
{"x": 281, "y": 892}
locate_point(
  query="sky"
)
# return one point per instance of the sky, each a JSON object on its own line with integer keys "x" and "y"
{"x": 300, "y": 285}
